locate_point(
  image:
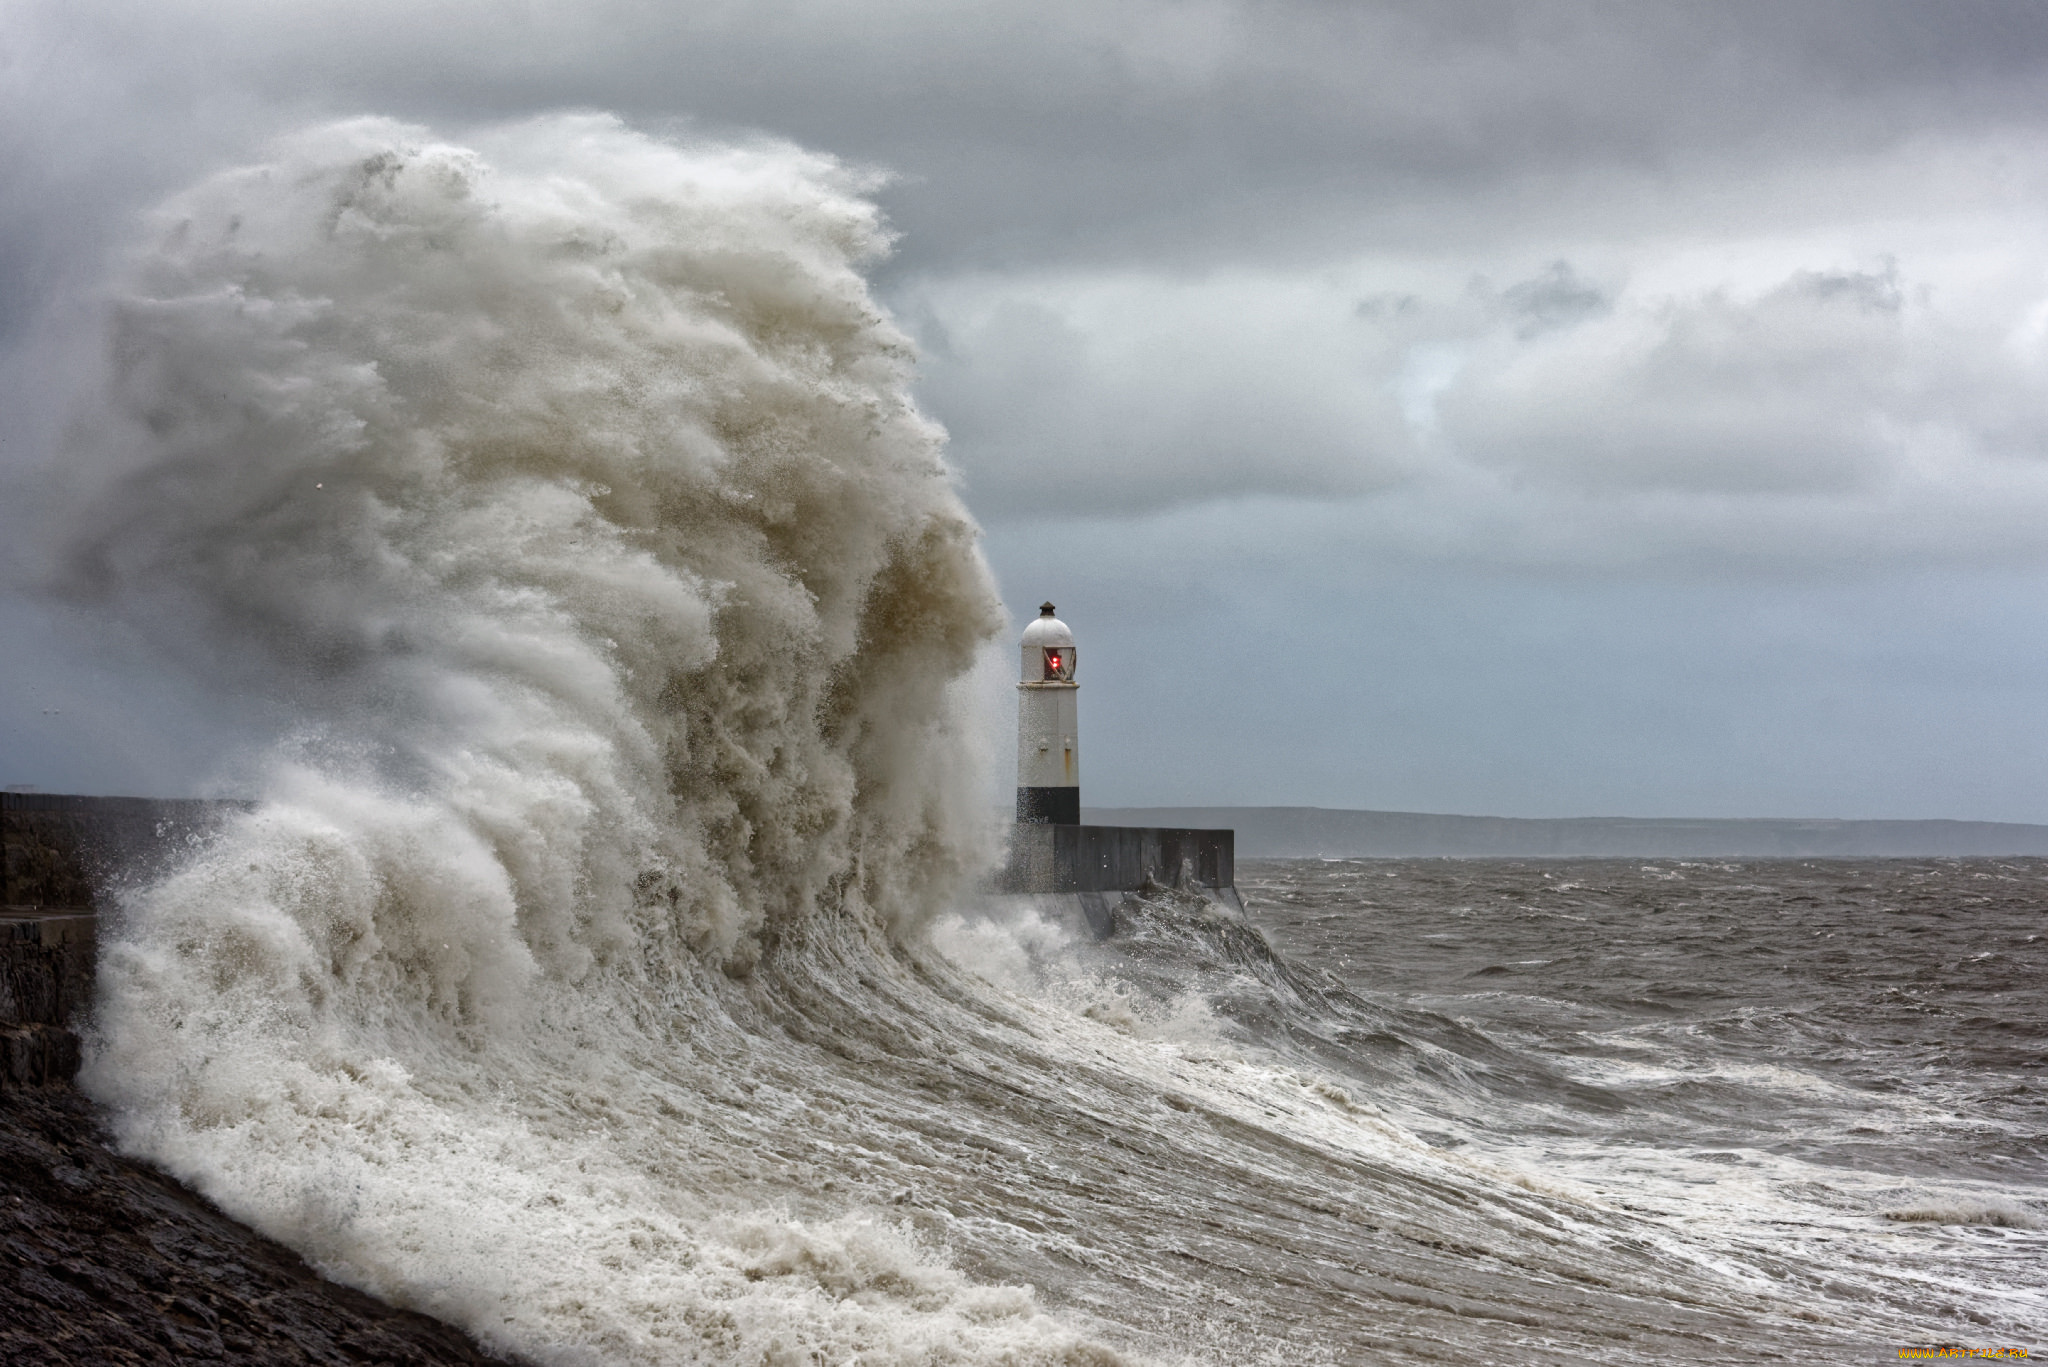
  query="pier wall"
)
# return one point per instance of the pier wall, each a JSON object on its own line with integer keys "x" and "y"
{"x": 63, "y": 852}
{"x": 59, "y": 857}
{"x": 1050, "y": 858}
{"x": 1084, "y": 871}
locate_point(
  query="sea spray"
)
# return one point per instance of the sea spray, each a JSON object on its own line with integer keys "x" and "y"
{"x": 568, "y": 486}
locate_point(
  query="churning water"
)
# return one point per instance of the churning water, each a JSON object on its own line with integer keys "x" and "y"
{"x": 596, "y": 971}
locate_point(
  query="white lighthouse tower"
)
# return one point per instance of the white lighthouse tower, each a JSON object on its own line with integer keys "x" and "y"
{"x": 1048, "y": 741}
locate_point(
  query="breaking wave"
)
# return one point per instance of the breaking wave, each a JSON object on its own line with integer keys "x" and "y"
{"x": 568, "y": 485}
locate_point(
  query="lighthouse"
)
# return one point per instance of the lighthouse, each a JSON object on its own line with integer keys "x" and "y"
{"x": 1055, "y": 861}
{"x": 1048, "y": 741}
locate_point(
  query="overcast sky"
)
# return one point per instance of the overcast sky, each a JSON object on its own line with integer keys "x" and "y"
{"x": 1532, "y": 408}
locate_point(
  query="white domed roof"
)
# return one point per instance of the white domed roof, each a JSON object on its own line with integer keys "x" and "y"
{"x": 1047, "y": 631}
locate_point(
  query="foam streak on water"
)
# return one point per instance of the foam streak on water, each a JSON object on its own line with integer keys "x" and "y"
{"x": 595, "y": 971}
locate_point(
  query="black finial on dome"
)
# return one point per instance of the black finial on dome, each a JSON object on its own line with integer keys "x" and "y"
{"x": 1045, "y": 609}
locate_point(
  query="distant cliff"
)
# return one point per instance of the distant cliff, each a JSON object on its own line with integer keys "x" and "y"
{"x": 1309, "y": 832}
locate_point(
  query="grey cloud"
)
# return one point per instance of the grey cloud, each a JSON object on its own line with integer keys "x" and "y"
{"x": 1814, "y": 386}
{"x": 1192, "y": 279}
{"x": 1873, "y": 291}
{"x": 1153, "y": 131}
{"x": 1050, "y": 415}
{"x": 1821, "y": 383}
{"x": 1557, "y": 298}
{"x": 1470, "y": 689}
{"x": 1378, "y": 307}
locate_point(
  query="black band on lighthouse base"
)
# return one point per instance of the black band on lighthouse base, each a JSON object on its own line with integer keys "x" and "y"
{"x": 1049, "y": 806}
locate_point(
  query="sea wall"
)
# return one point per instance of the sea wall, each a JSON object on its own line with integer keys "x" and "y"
{"x": 59, "y": 857}
{"x": 62, "y": 851}
{"x": 46, "y": 964}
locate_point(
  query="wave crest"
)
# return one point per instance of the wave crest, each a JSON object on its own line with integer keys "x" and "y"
{"x": 568, "y": 487}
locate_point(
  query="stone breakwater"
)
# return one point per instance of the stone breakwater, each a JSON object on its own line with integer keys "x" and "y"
{"x": 46, "y": 963}
{"x": 103, "y": 1259}
{"x": 62, "y": 853}
{"x": 59, "y": 857}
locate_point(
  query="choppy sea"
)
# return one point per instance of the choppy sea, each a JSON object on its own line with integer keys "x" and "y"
{"x": 1663, "y": 1111}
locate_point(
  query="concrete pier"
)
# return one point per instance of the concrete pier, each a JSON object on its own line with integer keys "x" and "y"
{"x": 1087, "y": 870}
{"x": 1050, "y": 858}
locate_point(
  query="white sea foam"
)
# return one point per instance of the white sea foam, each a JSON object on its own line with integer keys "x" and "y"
{"x": 568, "y": 484}
{"x": 1992, "y": 1212}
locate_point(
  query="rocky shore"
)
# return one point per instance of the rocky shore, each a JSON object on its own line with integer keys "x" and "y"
{"x": 104, "y": 1260}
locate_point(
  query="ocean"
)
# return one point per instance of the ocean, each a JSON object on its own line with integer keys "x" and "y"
{"x": 601, "y": 970}
{"x": 1819, "y": 1083}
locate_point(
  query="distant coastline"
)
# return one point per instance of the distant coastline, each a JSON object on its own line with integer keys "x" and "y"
{"x": 1336, "y": 833}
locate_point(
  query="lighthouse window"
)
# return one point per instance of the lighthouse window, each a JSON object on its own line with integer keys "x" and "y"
{"x": 1058, "y": 664}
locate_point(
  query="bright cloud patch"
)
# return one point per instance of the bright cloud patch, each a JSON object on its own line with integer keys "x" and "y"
{"x": 1895, "y": 396}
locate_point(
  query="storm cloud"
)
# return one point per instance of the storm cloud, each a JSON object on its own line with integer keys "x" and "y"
{"x": 1571, "y": 323}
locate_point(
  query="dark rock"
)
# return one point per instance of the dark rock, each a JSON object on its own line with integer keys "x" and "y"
{"x": 37, "y": 1056}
